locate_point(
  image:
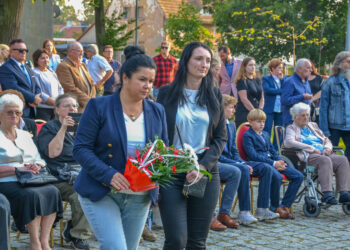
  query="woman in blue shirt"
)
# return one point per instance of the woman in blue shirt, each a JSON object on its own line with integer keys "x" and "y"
{"x": 110, "y": 130}
{"x": 54, "y": 57}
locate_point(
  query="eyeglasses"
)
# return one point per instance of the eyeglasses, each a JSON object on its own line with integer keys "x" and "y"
{"x": 21, "y": 50}
{"x": 74, "y": 106}
{"x": 165, "y": 47}
{"x": 12, "y": 112}
{"x": 78, "y": 50}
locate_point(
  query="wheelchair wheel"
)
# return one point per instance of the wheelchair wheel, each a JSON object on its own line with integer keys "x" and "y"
{"x": 286, "y": 159}
{"x": 311, "y": 209}
{"x": 346, "y": 208}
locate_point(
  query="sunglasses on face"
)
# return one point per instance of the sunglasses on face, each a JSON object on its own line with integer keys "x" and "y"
{"x": 165, "y": 47}
{"x": 21, "y": 50}
{"x": 12, "y": 112}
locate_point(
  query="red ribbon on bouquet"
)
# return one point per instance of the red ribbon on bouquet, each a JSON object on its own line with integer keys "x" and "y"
{"x": 139, "y": 180}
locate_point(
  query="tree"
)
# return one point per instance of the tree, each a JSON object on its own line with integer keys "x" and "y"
{"x": 68, "y": 13}
{"x": 10, "y": 19}
{"x": 116, "y": 34}
{"x": 267, "y": 28}
{"x": 186, "y": 26}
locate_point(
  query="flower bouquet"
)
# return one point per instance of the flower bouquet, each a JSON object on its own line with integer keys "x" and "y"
{"x": 156, "y": 164}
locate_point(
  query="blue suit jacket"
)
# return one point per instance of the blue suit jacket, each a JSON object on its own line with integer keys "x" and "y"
{"x": 101, "y": 143}
{"x": 230, "y": 153}
{"x": 12, "y": 77}
{"x": 258, "y": 150}
{"x": 270, "y": 92}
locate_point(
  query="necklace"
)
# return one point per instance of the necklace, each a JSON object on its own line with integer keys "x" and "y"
{"x": 132, "y": 117}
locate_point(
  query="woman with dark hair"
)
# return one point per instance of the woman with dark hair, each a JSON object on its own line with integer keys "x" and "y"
{"x": 54, "y": 57}
{"x": 110, "y": 130}
{"x": 48, "y": 83}
{"x": 195, "y": 115}
{"x": 249, "y": 90}
{"x": 315, "y": 81}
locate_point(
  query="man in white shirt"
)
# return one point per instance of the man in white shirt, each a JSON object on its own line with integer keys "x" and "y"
{"x": 99, "y": 69}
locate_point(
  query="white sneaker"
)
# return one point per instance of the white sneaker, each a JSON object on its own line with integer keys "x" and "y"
{"x": 246, "y": 218}
{"x": 265, "y": 214}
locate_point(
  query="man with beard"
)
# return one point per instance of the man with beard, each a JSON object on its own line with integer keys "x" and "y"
{"x": 335, "y": 102}
{"x": 229, "y": 70}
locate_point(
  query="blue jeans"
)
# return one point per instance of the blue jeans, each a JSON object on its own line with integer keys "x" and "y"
{"x": 264, "y": 172}
{"x": 5, "y": 213}
{"x": 272, "y": 120}
{"x": 345, "y": 135}
{"x": 155, "y": 92}
{"x": 230, "y": 174}
{"x": 295, "y": 180}
{"x": 117, "y": 220}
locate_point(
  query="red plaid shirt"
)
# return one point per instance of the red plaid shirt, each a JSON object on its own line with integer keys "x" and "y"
{"x": 166, "y": 70}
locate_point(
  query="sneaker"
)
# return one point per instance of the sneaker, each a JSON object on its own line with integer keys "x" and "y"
{"x": 148, "y": 235}
{"x": 265, "y": 214}
{"x": 329, "y": 198}
{"x": 66, "y": 232}
{"x": 246, "y": 218}
{"x": 79, "y": 244}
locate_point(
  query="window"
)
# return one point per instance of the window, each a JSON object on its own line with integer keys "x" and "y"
{"x": 126, "y": 13}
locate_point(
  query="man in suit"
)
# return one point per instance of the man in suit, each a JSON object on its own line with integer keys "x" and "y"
{"x": 74, "y": 76}
{"x": 5, "y": 213}
{"x": 258, "y": 147}
{"x": 14, "y": 74}
{"x": 229, "y": 70}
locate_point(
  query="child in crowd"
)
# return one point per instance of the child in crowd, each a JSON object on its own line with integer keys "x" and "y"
{"x": 258, "y": 147}
{"x": 235, "y": 173}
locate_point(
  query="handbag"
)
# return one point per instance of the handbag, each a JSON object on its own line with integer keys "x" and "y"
{"x": 197, "y": 189}
{"x": 27, "y": 178}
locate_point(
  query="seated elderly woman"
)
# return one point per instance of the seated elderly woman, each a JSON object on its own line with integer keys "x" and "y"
{"x": 35, "y": 207}
{"x": 55, "y": 144}
{"x": 306, "y": 135}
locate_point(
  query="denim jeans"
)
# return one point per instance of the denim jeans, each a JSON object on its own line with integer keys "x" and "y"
{"x": 345, "y": 135}
{"x": 295, "y": 180}
{"x": 5, "y": 213}
{"x": 186, "y": 220}
{"x": 117, "y": 220}
{"x": 272, "y": 120}
{"x": 230, "y": 174}
{"x": 264, "y": 172}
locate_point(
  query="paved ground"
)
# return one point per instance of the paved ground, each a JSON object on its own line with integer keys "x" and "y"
{"x": 328, "y": 231}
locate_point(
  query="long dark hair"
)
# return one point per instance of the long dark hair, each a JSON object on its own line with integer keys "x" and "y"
{"x": 135, "y": 58}
{"x": 206, "y": 95}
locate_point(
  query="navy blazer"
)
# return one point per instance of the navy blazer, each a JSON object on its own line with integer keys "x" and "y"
{"x": 216, "y": 137}
{"x": 101, "y": 143}
{"x": 270, "y": 92}
{"x": 12, "y": 77}
{"x": 259, "y": 150}
{"x": 230, "y": 153}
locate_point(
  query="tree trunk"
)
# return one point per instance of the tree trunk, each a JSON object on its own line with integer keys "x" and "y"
{"x": 99, "y": 23}
{"x": 10, "y": 19}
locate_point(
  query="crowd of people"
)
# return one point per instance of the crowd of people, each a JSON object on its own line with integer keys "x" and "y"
{"x": 197, "y": 100}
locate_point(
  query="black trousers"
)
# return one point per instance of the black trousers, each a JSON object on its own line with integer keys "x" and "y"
{"x": 186, "y": 221}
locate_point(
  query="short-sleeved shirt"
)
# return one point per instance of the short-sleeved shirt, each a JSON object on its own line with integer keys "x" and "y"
{"x": 166, "y": 70}
{"x": 110, "y": 82}
{"x": 97, "y": 67}
{"x": 254, "y": 93}
{"x": 315, "y": 84}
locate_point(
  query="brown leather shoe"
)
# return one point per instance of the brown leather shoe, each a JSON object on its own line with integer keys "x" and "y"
{"x": 217, "y": 225}
{"x": 228, "y": 221}
{"x": 290, "y": 215}
{"x": 284, "y": 213}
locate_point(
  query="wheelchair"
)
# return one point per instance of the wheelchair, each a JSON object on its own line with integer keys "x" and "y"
{"x": 311, "y": 193}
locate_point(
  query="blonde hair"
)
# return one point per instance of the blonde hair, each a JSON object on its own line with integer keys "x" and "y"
{"x": 228, "y": 100}
{"x": 242, "y": 74}
{"x": 256, "y": 115}
{"x": 3, "y": 47}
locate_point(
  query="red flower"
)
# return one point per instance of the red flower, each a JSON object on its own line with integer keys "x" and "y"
{"x": 174, "y": 169}
{"x": 161, "y": 158}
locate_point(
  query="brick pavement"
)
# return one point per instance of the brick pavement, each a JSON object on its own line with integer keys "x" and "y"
{"x": 328, "y": 231}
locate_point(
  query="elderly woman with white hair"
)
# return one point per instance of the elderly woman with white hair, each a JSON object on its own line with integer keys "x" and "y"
{"x": 296, "y": 88}
{"x": 35, "y": 207}
{"x": 307, "y": 136}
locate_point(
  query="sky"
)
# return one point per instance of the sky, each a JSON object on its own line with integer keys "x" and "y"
{"x": 78, "y": 6}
